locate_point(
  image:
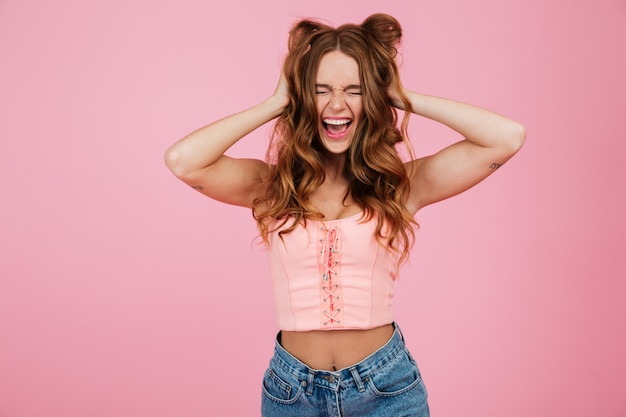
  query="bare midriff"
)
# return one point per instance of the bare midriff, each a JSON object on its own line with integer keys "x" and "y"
{"x": 335, "y": 349}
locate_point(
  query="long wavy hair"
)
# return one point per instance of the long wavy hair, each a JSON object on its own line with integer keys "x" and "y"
{"x": 379, "y": 182}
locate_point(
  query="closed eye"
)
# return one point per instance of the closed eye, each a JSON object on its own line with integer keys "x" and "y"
{"x": 350, "y": 90}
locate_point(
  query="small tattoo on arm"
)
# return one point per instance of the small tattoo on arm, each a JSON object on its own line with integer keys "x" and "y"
{"x": 495, "y": 165}
{"x": 197, "y": 187}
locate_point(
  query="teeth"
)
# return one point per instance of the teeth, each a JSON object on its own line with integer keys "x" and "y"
{"x": 336, "y": 122}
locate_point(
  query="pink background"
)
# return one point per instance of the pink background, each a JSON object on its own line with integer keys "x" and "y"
{"x": 124, "y": 293}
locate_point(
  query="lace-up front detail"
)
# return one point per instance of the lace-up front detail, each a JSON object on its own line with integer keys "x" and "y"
{"x": 329, "y": 268}
{"x": 330, "y": 275}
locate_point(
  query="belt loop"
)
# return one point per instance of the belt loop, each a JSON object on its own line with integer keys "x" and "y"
{"x": 357, "y": 379}
{"x": 309, "y": 383}
{"x": 399, "y": 331}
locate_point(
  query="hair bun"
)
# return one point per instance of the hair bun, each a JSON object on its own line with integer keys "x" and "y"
{"x": 300, "y": 34}
{"x": 385, "y": 29}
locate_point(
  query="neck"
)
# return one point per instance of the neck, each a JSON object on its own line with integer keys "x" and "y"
{"x": 335, "y": 167}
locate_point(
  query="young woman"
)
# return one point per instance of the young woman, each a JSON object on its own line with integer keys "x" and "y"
{"x": 335, "y": 205}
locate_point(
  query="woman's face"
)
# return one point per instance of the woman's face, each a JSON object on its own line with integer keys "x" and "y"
{"x": 339, "y": 100}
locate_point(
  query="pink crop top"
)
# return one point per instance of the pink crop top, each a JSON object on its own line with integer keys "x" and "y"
{"x": 332, "y": 275}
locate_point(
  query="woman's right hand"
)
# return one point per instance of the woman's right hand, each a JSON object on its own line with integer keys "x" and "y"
{"x": 281, "y": 93}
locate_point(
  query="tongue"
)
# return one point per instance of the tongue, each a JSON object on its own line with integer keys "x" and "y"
{"x": 337, "y": 129}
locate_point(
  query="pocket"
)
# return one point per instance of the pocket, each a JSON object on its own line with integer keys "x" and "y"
{"x": 399, "y": 376}
{"x": 281, "y": 387}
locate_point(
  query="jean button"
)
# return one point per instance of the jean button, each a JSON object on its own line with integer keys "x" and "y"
{"x": 330, "y": 378}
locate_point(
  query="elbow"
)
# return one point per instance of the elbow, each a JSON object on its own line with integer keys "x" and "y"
{"x": 175, "y": 162}
{"x": 516, "y": 137}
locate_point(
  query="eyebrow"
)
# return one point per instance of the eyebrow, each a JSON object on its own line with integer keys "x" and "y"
{"x": 348, "y": 87}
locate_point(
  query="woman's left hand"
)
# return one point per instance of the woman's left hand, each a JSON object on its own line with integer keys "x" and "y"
{"x": 395, "y": 97}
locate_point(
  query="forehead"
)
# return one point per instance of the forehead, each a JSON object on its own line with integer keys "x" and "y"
{"x": 338, "y": 69}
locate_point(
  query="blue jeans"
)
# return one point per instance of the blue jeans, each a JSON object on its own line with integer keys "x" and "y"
{"x": 386, "y": 383}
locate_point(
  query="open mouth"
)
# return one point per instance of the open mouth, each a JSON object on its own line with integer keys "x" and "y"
{"x": 336, "y": 128}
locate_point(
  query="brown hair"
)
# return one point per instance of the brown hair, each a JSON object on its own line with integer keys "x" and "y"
{"x": 378, "y": 179}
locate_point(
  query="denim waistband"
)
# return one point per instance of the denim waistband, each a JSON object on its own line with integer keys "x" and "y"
{"x": 356, "y": 374}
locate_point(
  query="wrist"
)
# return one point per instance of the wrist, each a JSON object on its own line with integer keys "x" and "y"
{"x": 276, "y": 104}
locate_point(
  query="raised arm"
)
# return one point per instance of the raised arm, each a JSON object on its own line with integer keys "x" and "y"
{"x": 489, "y": 141}
{"x": 198, "y": 159}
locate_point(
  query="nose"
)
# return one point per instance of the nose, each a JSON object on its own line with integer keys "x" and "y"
{"x": 337, "y": 99}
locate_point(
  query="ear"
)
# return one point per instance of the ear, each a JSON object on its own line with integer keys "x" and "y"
{"x": 386, "y": 30}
